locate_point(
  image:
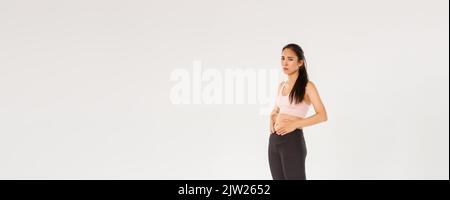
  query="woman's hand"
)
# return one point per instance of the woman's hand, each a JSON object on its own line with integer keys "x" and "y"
{"x": 285, "y": 126}
{"x": 273, "y": 119}
{"x": 272, "y": 129}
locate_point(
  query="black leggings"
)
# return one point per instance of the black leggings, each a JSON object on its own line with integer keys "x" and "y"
{"x": 287, "y": 156}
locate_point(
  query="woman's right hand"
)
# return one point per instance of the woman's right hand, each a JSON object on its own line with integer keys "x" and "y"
{"x": 272, "y": 128}
{"x": 273, "y": 119}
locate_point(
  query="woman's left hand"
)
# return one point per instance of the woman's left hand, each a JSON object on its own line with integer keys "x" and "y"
{"x": 285, "y": 126}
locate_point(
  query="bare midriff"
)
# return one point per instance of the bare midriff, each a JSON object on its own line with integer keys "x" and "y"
{"x": 280, "y": 117}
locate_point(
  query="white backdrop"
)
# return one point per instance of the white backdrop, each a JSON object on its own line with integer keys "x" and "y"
{"x": 85, "y": 88}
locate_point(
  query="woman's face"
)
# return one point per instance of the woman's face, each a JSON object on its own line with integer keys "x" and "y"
{"x": 289, "y": 61}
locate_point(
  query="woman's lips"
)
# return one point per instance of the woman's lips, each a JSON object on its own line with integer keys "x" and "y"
{"x": 285, "y": 69}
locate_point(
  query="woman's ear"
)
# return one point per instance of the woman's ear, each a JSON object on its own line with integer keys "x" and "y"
{"x": 301, "y": 62}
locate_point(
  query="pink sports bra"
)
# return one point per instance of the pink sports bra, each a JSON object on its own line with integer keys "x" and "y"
{"x": 298, "y": 110}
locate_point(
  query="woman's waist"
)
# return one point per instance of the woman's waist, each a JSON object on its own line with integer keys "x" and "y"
{"x": 288, "y": 116}
{"x": 291, "y": 136}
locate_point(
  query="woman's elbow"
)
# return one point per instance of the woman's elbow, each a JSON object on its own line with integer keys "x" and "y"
{"x": 324, "y": 117}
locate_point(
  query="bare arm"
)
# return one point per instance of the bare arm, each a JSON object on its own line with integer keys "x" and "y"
{"x": 274, "y": 114}
{"x": 273, "y": 117}
{"x": 321, "y": 113}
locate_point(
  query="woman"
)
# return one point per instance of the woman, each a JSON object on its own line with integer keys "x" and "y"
{"x": 287, "y": 147}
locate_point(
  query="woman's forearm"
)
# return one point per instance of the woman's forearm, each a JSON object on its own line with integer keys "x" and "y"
{"x": 273, "y": 119}
{"x": 312, "y": 120}
{"x": 274, "y": 115}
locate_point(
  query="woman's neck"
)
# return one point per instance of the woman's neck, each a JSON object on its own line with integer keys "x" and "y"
{"x": 292, "y": 78}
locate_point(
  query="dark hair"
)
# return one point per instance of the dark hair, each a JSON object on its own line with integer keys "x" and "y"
{"x": 299, "y": 88}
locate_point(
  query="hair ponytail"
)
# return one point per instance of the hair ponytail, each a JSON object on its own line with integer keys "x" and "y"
{"x": 299, "y": 89}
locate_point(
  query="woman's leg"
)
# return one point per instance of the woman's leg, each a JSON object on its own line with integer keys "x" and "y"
{"x": 293, "y": 155}
{"x": 276, "y": 168}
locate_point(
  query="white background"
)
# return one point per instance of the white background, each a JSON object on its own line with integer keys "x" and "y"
{"x": 84, "y": 88}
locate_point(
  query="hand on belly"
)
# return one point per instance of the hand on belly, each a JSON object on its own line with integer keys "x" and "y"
{"x": 282, "y": 121}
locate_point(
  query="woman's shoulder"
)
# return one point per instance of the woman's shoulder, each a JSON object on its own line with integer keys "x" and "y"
{"x": 281, "y": 85}
{"x": 311, "y": 88}
{"x": 310, "y": 85}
